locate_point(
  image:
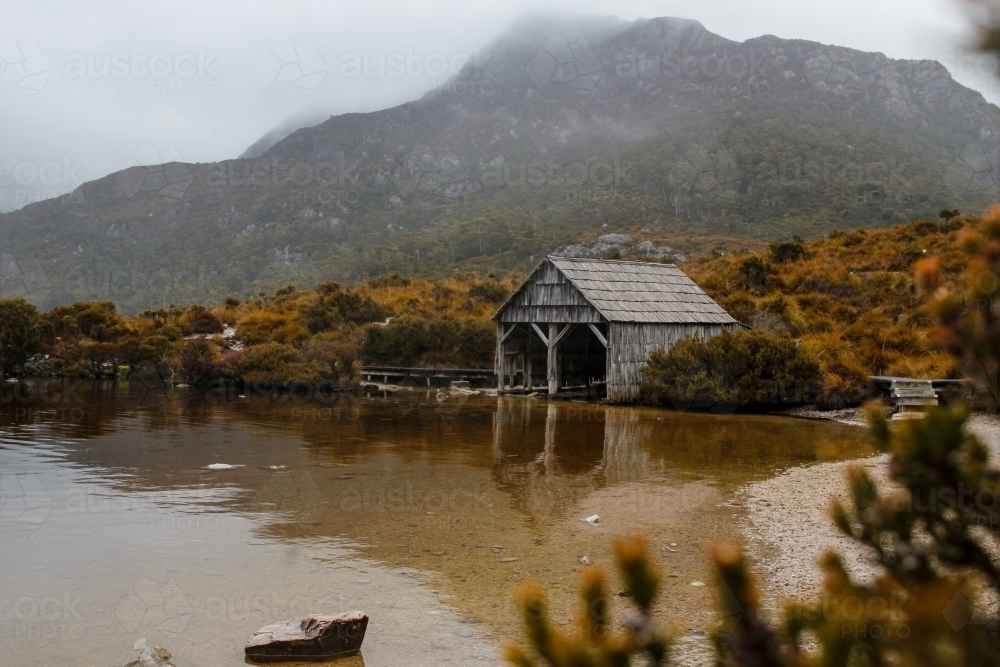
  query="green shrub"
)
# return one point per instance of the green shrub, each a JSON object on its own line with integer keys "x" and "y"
{"x": 19, "y": 335}
{"x": 171, "y": 332}
{"x": 276, "y": 363}
{"x": 339, "y": 358}
{"x": 334, "y": 306}
{"x": 93, "y": 319}
{"x": 731, "y": 369}
{"x": 754, "y": 271}
{"x": 199, "y": 360}
{"x": 787, "y": 251}
{"x": 409, "y": 341}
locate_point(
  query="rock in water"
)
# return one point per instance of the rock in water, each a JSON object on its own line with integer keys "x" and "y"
{"x": 314, "y": 637}
{"x": 152, "y": 657}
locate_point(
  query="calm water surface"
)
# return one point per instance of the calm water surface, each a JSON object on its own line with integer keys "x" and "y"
{"x": 422, "y": 512}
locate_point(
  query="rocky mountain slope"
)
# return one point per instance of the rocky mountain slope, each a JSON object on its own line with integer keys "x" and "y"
{"x": 561, "y": 131}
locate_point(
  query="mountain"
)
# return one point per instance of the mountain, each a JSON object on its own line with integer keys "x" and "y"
{"x": 564, "y": 129}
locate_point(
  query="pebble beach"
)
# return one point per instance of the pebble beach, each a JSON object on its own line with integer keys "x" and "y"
{"x": 788, "y": 525}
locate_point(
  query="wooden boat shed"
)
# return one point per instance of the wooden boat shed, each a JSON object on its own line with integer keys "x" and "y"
{"x": 583, "y": 322}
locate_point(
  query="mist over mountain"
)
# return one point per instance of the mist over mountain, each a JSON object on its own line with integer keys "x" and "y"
{"x": 564, "y": 129}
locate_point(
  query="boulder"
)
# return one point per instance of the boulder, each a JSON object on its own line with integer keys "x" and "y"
{"x": 314, "y": 637}
{"x": 152, "y": 657}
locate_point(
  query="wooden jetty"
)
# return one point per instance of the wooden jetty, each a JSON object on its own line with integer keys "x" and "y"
{"x": 428, "y": 377}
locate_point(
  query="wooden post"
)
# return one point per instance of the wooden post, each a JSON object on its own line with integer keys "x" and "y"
{"x": 552, "y": 366}
{"x": 499, "y": 357}
{"x": 527, "y": 367}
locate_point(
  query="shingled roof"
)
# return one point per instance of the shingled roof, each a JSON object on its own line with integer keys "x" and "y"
{"x": 625, "y": 291}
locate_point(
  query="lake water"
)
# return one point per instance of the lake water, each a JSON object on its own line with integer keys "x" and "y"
{"x": 423, "y": 512}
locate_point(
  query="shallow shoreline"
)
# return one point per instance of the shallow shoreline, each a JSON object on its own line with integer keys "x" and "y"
{"x": 788, "y": 527}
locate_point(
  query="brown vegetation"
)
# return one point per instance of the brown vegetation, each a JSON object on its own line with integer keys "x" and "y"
{"x": 293, "y": 336}
{"x": 850, "y": 299}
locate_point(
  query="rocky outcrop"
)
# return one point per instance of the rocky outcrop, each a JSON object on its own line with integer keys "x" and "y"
{"x": 314, "y": 637}
{"x": 152, "y": 657}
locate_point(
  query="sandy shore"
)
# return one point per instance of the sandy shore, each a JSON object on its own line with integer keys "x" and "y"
{"x": 788, "y": 525}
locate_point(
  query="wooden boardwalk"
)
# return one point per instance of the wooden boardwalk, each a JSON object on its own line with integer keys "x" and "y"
{"x": 428, "y": 377}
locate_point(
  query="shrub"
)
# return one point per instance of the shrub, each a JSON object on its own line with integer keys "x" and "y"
{"x": 200, "y": 320}
{"x": 275, "y": 363}
{"x": 334, "y": 306}
{"x": 271, "y": 327}
{"x": 171, "y": 332}
{"x": 94, "y": 318}
{"x": 753, "y": 271}
{"x": 740, "y": 306}
{"x": 339, "y": 358}
{"x": 596, "y": 643}
{"x": 477, "y": 343}
{"x": 199, "y": 360}
{"x": 19, "y": 335}
{"x": 729, "y": 370}
{"x": 490, "y": 291}
{"x": 787, "y": 251}
{"x": 409, "y": 341}
{"x": 891, "y": 215}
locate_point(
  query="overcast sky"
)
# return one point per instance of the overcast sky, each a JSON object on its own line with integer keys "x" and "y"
{"x": 201, "y": 81}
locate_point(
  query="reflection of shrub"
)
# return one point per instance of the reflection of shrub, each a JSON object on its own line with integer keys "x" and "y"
{"x": 741, "y": 368}
{"x": 275, "y": 363}
{"x": 490, "y": 291}
{"x": 408, "y": 341}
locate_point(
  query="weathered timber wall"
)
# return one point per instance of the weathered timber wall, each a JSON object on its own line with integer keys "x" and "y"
{"x": 548, "y": 296}
{"x": 629, "y": 348}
